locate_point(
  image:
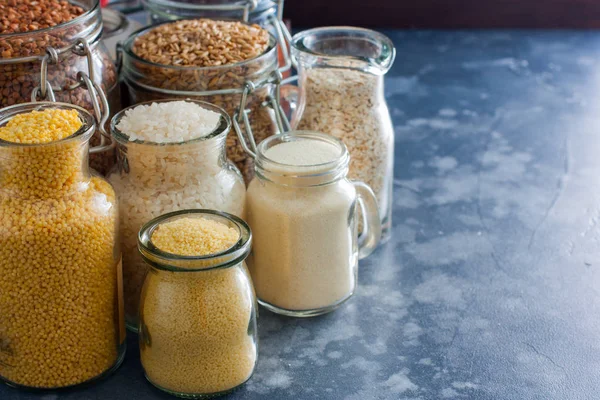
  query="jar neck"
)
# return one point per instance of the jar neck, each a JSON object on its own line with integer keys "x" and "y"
{"x": 44, "y": 171}
{"x": 345, "y": 48}
{"x": 303, "y": 175}
{"x": 171, "y": 163}
{"x": 298, "y": 179}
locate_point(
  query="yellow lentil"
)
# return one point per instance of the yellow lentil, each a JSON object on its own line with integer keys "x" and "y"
{"x": 59, "y": 323}
{"x": 195, "y": 326}
{"x": 44, "y": 126}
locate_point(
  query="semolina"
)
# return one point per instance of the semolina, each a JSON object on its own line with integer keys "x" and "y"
{"x": 197, "y": 332}
{"x": 60, "y": 324}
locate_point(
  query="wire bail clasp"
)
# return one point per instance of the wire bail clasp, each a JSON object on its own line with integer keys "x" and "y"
{"x": 100, "y": 112}
{"x": 241, "y": 115}
{"x": 45, "y": 88}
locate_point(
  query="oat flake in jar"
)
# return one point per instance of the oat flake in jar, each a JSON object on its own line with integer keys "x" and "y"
{"x": 198, "y": 333}
{"x": 61, "y": 317}
{"x": 341, "y": 73}
{"x": 303, "y": 213}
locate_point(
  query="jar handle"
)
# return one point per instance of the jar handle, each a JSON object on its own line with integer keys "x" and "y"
{"x": 101, "y": 114}
{"x": 371, "y": 235}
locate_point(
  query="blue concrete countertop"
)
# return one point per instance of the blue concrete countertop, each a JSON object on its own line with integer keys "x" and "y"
{"x": 489, "y": 288}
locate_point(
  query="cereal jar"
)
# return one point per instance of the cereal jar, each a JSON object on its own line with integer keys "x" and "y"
{"x": 61, "y": 318}
{"x": 198, "y": 308}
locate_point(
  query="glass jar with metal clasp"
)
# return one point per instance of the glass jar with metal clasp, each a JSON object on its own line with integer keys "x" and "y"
{"x": 61, "y": 305}
{"x": 253, "y": 83}
{"x": 252, "y": 11}
{"x": 37, "y": 63}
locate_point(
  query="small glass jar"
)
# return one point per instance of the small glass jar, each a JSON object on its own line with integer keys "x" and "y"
{"x": 224, "y": 86}
{"x": 57, "y": 54}
{"x": 341, "y": 93}
{"x": 156, "y": 178}
{"x": 61, "y": 309}
{"x": 198, "y": 335}
{"x": 304, "y": 218}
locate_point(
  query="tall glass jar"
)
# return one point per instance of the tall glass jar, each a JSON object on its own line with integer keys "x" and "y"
{"x": 56, "y": 55}
{"x": 156, "y": 178}
{"x": 198, "y": 333}
{"x": 61, "y": 315}
{"x": 304, "y": 218}
{"x": 341, "y": 93}
{"x": 222, "y": 85}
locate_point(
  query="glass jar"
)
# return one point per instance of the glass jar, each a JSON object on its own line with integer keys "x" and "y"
{"x": 156, "y": 178}
{"x": 341, "y": 93}
{"x": 55, "y": 55}
{"x": 61, "y": 310}
{"x": 198, "y": 333}
{"x": 253, "y": 11}
{"x": 304, "y": 221}
{"x": 256, "y": 81}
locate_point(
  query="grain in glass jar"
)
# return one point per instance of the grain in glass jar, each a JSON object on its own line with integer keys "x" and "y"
{"x": 61, "y": 315}
{"x": 43, "y": 45}
{"x": 303, "y": 213}
{"x": 341, "y": 73}
{"x": 171, "y": 156}
{"x": 221, "y": 62}
{"x": 198, "y": 309}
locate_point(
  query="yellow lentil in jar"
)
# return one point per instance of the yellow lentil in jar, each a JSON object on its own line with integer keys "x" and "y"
{"x": 59, "y": 323}
{"x": 195, "y": 336}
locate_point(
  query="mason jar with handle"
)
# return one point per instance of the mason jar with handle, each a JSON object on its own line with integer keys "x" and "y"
{"x": 303, "y": 211}
{"x": 341, "y": 93}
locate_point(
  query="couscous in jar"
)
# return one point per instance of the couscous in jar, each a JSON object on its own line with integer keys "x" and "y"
{"x": 198, "y": 308}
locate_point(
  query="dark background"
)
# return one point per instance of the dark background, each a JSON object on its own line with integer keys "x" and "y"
{"x": 446, "y": 13}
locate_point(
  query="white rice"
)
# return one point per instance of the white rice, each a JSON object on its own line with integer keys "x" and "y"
{"x": 171, "y": 122}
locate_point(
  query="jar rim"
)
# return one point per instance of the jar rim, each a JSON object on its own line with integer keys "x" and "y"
{"x": 317, "y": 174}
{"x": 113, "y": 18}
{"x": 222, "y": 129}
{"x": 128, "y": 49}
{"x": 74, "y": 21}
{"x": 380, "y": 63}
{"x": 223, "y": 259}
{"x": 85, "y": 132}
{"x": 192, "y": 6}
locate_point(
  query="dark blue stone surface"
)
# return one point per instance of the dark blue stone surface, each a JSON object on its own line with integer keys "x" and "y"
{"x": 489, "y": 288}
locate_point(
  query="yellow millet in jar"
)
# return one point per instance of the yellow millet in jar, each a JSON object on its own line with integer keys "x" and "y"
{"x": 58, "y": 261}
{"x": 195, "y": 325}
{"x": 194, "y": 237}
{"x": 38, "y": 127}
